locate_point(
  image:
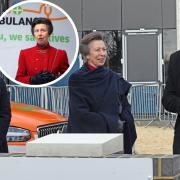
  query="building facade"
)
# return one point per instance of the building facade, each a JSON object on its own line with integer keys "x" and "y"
{"x": 140, "y": 34}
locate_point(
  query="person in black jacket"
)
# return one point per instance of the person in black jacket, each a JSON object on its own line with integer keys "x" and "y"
{"x": 5, "y": 116}
{"x": 98, "y": 96}
{"x": 171, "y": 96}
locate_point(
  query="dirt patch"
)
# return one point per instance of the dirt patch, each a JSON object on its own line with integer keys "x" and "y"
{"x": 154, "y": 140}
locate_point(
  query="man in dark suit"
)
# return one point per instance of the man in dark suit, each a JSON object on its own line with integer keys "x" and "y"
{"x": 171, "y": 96}
{"x": 5, "y": 116}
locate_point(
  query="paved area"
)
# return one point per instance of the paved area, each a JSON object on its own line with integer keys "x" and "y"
{"x": 154, "y": 140}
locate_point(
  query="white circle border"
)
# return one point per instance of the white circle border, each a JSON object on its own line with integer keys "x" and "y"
{"x": 76, "y": 36}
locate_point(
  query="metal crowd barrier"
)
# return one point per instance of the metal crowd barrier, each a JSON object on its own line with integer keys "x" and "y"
{"x": 166, "y": 115}
{"x": 55, "y": 99}
{"x": 34, "y": 96}
{"x": 145, "y": 99}
{"x": 59, "y": 99}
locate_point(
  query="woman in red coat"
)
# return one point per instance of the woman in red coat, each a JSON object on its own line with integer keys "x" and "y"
{"x": 42, "y": 63}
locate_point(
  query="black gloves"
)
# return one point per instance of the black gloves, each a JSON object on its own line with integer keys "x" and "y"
{"x": 42, "y": 78}
{"x": 36, "y": 79}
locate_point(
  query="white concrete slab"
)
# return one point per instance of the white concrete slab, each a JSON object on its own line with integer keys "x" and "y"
{"x": 76, "y": 145}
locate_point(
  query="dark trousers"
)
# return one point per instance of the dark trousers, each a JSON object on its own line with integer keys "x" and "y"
{"x": 176, "y": 144}
{"x": 3, "y": 147}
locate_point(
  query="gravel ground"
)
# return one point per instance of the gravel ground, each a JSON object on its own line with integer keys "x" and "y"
{"x": 154, "y": 140}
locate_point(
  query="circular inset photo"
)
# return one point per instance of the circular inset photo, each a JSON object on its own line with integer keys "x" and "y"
{"x": 38, "y": 43}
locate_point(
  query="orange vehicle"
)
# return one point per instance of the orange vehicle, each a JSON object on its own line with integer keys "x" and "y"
{"x": 29, "y": 122}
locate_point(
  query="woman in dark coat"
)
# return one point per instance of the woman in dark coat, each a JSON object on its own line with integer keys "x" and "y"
{"x": 98, "y": 96}
{"x": 5, "y": 116}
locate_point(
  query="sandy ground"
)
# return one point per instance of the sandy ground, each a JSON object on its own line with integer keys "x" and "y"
{"x": 154, "y": 140}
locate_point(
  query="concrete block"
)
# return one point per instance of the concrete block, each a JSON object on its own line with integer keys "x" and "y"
{"x": 176, "y": 164}
{"x": 166, "y": 167}
{"x": 76, "y": 145}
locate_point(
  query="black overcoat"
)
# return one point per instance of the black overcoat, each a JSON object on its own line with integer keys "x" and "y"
{"x": 171, "y": 95}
